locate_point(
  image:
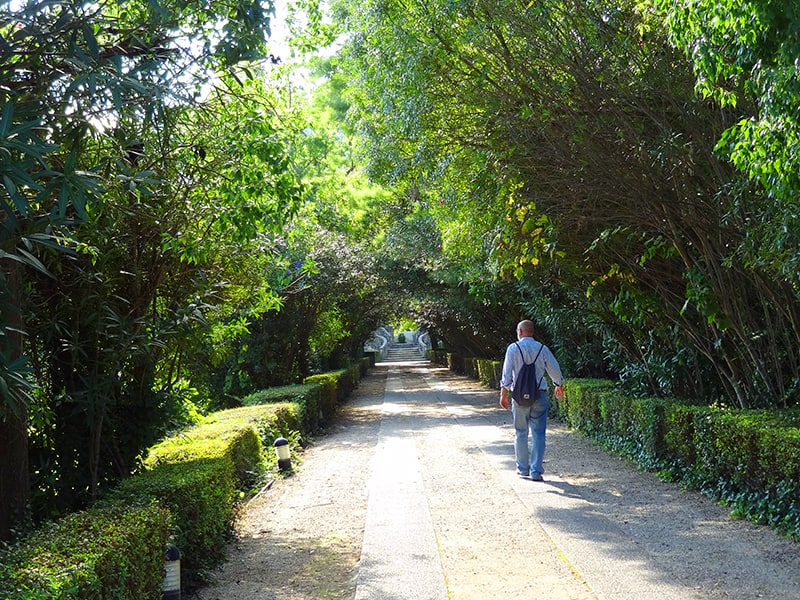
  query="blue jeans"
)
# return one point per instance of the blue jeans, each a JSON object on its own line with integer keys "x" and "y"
{"x": 532, "y": 417}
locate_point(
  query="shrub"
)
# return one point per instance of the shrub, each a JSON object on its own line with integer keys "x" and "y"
{"x": 489, "y": 372}
{"x": 309, "y": 395}
{"x": 236, "y": 440}
{"x": 338, "y": 384}
{"x": 270, "y": 420}
{"x": 580, "y": 406}
{"x": 750, "y": 459}
{"x": 200, "y": 496}
{"x": 105, "y": 554}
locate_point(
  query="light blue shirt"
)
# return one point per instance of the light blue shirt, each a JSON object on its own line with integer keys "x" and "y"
{"x": 545, "y": 363}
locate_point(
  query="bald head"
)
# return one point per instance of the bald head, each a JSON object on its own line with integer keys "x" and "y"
{"x": 525, "y": 329}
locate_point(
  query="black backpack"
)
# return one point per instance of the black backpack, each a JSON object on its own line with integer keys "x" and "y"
{"x": 526, "y": 386}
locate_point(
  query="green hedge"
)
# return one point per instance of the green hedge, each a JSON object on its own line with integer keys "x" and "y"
{"x": 747, "y": 459}
{"x": 489, "y": 372}
{"x": 581, "y": 404}
{"x": 111, "y": 554}
{"x": 311, "y": 396}
{"x": 186, "y": 492}
{"x": 283, "y": 419}
{"x": 338, "y": 386}
{"x": 200, "y": 496}
{"x": 235, "y": 440}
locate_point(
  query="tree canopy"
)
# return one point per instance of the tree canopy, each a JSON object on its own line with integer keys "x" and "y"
{"x": 576, "y": 148}
{"x": 186, "y": 220}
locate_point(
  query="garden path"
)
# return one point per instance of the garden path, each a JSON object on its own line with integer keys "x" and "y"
{"x": 411, "y": 494}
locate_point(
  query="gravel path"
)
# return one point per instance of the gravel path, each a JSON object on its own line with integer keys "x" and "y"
{"x": 412, "y": 495}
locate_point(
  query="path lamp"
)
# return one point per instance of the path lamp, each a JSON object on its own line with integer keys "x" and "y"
{"x": 282, "y": 450}
{"x": 171, "y": 587}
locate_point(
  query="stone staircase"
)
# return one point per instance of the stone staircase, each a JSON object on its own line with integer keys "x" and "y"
{"x": 403, "y": 353}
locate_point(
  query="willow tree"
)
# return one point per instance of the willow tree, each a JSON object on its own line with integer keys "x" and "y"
{"x": 565, "y": 146}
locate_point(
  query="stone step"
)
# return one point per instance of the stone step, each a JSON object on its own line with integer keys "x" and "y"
{"x": 401, "y": 353}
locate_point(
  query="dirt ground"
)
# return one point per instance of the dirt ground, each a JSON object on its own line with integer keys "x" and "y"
{"x": 302, "y": 538}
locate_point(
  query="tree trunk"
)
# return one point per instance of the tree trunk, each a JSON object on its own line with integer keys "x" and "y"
{"x": 14, "y": 476}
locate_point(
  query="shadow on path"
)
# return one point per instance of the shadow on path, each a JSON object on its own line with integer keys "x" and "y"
{"x": 412, "y": 495}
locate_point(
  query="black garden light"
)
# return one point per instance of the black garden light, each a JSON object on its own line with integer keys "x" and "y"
{"x": 171, "y": 588}
{"x": 282, "y": 450}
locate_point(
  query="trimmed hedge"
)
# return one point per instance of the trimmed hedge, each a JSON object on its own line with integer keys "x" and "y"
{"x": 186, "y": 492}
{"x": 338, "y": 385}
{"x": 748, "y": 459}
{"x": 284, "y": 419}
{"x": 311, "y": 396}
{"x": 234, "y": 440}
{"x": 199, "y": 494}
{"x": 112, "y": 554}
{"x": 489, "y": 372}
{"x": 580, "y": 406}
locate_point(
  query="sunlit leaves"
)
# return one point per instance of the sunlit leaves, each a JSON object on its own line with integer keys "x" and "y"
{"x": 745, "y": 54}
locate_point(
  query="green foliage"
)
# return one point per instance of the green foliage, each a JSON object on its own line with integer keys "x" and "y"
{"x": 110, "y": 554}
{"x": 235, "y": 441}
{"x": 743, "y": 53}
{"x": 578, "y": 160}
{"x": 489, "y": 372}
{"x": 581, "y": 404}
{"x": 126, "y": 232}
{"x": 331, "y": 303}
{"x": 273, "y": 420}
{"x": 295, "y": 392}
{"x": 344, "y": 381}
{"x": 327, "y": 389}
{"x": 310, "y": 396}
{"x": 745, "y": 458}
{"x": 188, "y": 491}
{"x": 200, "y": 497}
{"x": 680, "y": 433}
{"x": 635, "y": 426}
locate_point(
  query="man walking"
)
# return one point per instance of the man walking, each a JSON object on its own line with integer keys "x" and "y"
{"x": 533, "y": 417}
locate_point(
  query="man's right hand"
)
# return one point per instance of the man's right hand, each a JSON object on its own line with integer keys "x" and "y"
{"x": 505, "y": 402}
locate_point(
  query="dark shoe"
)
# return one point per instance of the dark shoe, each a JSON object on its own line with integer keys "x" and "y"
{"x": 522, "y": 473}
{"x": 536, "y": 477}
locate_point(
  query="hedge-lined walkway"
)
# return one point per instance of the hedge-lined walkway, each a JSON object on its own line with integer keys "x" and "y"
{"x": 413, "y": 495}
